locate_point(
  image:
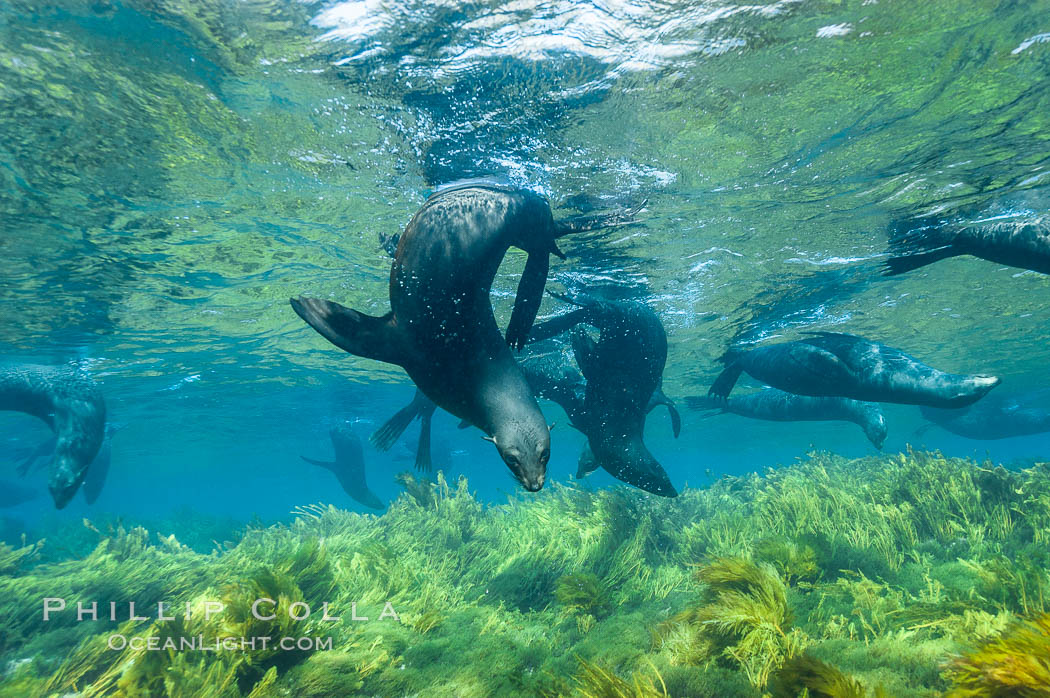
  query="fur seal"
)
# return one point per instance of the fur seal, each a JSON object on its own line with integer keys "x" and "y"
{"x": 95, "y": 478}
{"x": 623, "y": 372}
{"x": 441, "y": 328}
{"x": 1022, "y": 242}
{"x": 72, "y": 405}
{"x": 992, "y": 419}
{"x": 777, "y": 406}
{"x": 831, "y": 364}
{"x": 349, "y": 466}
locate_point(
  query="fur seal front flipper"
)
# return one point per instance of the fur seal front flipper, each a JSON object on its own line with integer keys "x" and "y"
{"x": 527, "y": 301}
{"x": 362, "y": 335}
{"x": 72, "y": 405}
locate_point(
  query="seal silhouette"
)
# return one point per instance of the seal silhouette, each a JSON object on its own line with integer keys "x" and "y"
{"x": 349, "y": 465}
{"x": 71, "y": 404}
{"x": 993, "y": 419}
{"x": 844, "y": 365}
{"x": 778, "y": 406}
{"x": 441, "y": 328}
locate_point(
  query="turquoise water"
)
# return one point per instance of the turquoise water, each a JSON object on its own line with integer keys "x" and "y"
{"x": 172, "y": 171}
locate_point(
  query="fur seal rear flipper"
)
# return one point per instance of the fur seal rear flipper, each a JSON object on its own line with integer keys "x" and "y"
{"x": 831, "y": 364}
{"x": 421, "y": 408}
{"x": 779, "y": 406}
{"x": 441, "y": 329}
{"x": 71, "y": 404}
{"x": 1019, "y": 241}
{"x": 349, "y": 466}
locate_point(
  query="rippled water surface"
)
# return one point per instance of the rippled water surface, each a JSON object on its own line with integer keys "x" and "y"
{"x": 172, "y": 171}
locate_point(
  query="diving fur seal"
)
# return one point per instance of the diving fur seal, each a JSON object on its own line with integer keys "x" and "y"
{"x": 778, "y": 406}
{"x": 831, "y": 364}
{"x": 95, "y": 478}
{"x": 992, "y": 419}
{"x": 72, "y": 405}
{"x": 349, "y": 465}
{"x": 623, "y": 375}
{"x": 1016, "y": 241}
{"x": 441, "y": 328}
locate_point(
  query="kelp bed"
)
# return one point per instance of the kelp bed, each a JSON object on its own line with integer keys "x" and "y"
{"x": 905, "y": 575}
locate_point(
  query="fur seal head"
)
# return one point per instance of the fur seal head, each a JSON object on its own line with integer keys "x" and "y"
{"x": 525, "y": 447}
{"x": 969, "y": 389}
{"x": 875, "y": 426}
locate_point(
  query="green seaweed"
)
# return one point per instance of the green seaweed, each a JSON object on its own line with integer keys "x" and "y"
{"x": 752, "y": 584}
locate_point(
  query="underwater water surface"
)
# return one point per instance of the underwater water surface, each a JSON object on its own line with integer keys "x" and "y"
{"x": 173, "y": 171}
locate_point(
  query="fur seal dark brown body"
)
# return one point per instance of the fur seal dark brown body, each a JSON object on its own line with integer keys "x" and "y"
{"x": 623, "y": 369}
{"x": 441, "y": 328}
{"x": 843, "y": 365}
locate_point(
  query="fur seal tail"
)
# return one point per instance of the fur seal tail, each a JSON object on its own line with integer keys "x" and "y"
{"x": 359, "y": 334}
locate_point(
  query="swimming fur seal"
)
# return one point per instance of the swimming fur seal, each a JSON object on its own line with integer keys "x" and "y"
{"x": 777, "y": 406}
{"x": 441, "y": 328}
{"x": 72, "y": 405}
{"x": 624, "y": 456}
{"x": 992, "y": 419}
{"x": 95, "y": 478}
{"x": 1016, "y": 242}
{"x": 349, "y": 466}
{"x": 623, "y": 372}
{"x": 842, "y": 365}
